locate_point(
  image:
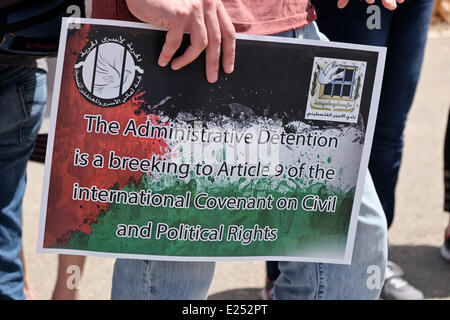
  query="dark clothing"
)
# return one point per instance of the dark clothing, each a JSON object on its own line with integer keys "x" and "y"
{"x": 404, "y": 33}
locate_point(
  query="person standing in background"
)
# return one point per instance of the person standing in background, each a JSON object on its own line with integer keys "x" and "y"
{"x": 404, "y": 33}
{"x": 29, "y": 32}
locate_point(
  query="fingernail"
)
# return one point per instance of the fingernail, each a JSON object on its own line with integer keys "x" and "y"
{"x": 228, "y": 69}
{"x": 162, "y": 63}
{"x": 175, "y": 66}
{"x": 213, "y": 77}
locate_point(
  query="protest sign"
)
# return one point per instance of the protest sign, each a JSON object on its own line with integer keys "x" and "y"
{"x": 146, "y": 162}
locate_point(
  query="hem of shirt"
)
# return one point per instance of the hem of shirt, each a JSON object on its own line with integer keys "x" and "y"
{"x": 271, "y": 27}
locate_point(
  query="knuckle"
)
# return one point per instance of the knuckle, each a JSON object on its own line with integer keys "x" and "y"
{"x": 230, "y": 35}
{"x": 230, "y": 31}
{"x": 170, "y": 41}
{"x": 214, "y": 39}
{"x": 182, "y": 12}
{"x": 196, "y": 6}
{"x": 209, "y": 3}
{"x": 214, "y": 64}
{"x": 171, "y": 44}
{"x": 203, "y": 42}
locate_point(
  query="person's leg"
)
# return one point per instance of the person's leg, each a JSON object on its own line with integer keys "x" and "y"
{"x": 350, "y": 25}
{"x": 272, "y": 270}
{"x": 161, "y": 280}
{"x": 360, "y": 280}
{"x": 406, "y": 45}
{"x": 332, "y": 281}
{"x": 404, "y": 32}
{"x": 62, "y": 291}
{"x": 27, "y": 288}
{"x": 23, "y": 94}
{"x": 272, "y": 273}
{"x": 407, "y": 38}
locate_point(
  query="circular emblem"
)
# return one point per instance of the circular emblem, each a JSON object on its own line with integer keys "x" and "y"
{"x": 108, "y": 73}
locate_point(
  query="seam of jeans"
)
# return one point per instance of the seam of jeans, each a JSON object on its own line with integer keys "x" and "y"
{"x": 322, "y": 281}
{"x": 148, "y": 278}
{"x": 25, "y": 114}
{"x": 14, "y": 76}
{"x": 33, "y": 83}
{"x": 316, "y": 295}
{"x": 26, "y": 108}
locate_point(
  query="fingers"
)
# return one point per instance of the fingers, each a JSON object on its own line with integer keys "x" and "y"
{"x": 228, "y": 39}
{"x": 214, "y": 42}
{"x": 173, "y": 42}
{"x": 210, "y": 28}
{"x": 199, "y": 41}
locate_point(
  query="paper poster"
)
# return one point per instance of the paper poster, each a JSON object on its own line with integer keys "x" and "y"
{"x": 150, "y": 163}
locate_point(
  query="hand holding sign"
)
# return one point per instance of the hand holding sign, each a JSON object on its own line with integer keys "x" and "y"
{"x": 207, "y": 22}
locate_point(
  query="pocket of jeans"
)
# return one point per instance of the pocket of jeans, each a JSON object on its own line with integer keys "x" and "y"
{"x": 33, "y": 95}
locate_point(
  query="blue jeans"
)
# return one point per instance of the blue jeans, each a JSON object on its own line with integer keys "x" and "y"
{"x": 142, "y": 279}
{"x": 404, "y": 33}
{"x": 23, "y": 94}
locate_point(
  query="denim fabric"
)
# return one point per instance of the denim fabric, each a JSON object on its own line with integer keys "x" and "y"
{"x": 161, "y": 280}
{"x": 140, "y": 279}
{"x": 404, "y": 33}
{"x": 298, "y": 280}
{"x": 23, "y": 94}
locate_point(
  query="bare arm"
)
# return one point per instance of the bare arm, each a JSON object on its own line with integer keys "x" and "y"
{"x": 209, "y": 26}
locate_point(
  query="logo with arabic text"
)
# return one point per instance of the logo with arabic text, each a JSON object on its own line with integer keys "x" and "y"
{"x": 336, "y": 89}
{"x": 108, "y": 71}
